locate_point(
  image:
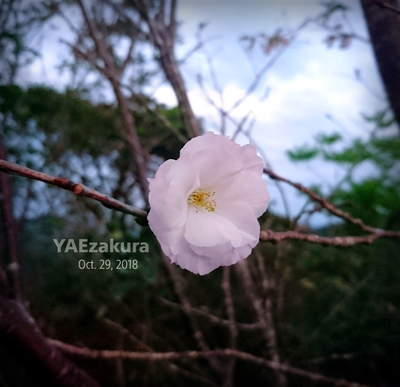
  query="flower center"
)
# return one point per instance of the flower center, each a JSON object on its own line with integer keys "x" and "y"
{"x": 201, "y": 198}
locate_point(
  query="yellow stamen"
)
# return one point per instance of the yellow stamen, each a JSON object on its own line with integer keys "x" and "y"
{"x": 200, "y": 198}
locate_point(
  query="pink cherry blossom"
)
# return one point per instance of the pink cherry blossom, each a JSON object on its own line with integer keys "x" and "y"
{"x": 205, "y": 205}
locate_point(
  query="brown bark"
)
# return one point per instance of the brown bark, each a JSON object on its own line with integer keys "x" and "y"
{"x": 384, "y": 28}
{"x": 77, "y": 189}
{"x": 23, "y": 339}
{"x": 170, "y": 68}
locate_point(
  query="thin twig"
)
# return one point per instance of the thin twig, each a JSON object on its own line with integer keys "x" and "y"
{"x": 264, "y": 317}
{"x": 386, "y": 5}
{"x": 269, "y": 320}
{"x": 324, "y": 203}
{"x": 268, "y": 65}
{"x": 345, "y": 241}
{"x": 180, "y": 292}
{"x": 230, "y": 309}
{"x": 233, "y": 331}
{"x": 113, "y": 74}
{"x": 212, "y": 318}
{"x": 143, "y": 346}
{"x": 76, "y": 188}
{"x": 268, "y": 164}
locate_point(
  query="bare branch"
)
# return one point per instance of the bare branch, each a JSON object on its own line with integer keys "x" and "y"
{"x": 264, "y": 317}
{"x": 162, "y": 36}
{"x": 155, "y": 112}
{"x": 386, "y": 5}
{"x": 113, "y": 74}
{"x": 267, "y": 162}
{"x": 258, "y": 78}
{"x": 230, "y": 309}
{"x": 139, "y": 344}
{"x": 128, "y": 57}
{"x": 233, "y": 331}
{"x": 197, "y": 333}
{"x": 345, "y": 241}
{"x": 212, "y": 318}
{"x": 269, "y": 64}
{"x": 266, "y": 235}
{"x": 76, "y": 188}
{"x": 268, "y": 316}
{"x": 323, "y": 202}
{"x": 177, "y": 284}
{"x": 172, "y": 18}
{"x": 230, "y": 353}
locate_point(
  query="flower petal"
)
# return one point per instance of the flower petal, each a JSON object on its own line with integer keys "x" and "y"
{"x": 244, "y": 187}
{"x": 205, "y": 228}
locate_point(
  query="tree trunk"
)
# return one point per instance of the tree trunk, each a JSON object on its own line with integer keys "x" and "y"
{"x": 384, "y": 29}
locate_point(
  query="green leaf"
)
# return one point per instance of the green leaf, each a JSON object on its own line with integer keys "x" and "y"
{"x": 302, "y": 154}
{"x": 328, "y": 139}
{"x": 381, "y": 119}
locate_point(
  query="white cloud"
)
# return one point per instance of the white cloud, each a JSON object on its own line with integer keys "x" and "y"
{"x": 165, "y": 95}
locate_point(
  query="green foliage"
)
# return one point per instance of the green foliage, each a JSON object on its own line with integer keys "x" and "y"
{"x": 356, "y": 153}
{"x": 328, "y": 139}
{"x": 381, "y": 119}
{"x": 334, "y": 6}
{"x": 352, "y": 305}
{"x": 371, "y": 201}
{"x": 302, "y": 154}
{"x": 374, "y": 198}
{"x": 72, "y": 123}
{"x": 62, "y": 118}
{"x": 345, "y": 300}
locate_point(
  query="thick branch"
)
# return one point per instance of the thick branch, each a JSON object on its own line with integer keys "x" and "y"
{"x": 76, "y": 188}
{"x": 23, "y": 338}
{"x": 163, "y": 37}
{"x": 232, "y": 353}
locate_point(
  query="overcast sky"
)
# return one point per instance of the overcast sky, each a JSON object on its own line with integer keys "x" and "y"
{"x": 307, "y": 82}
